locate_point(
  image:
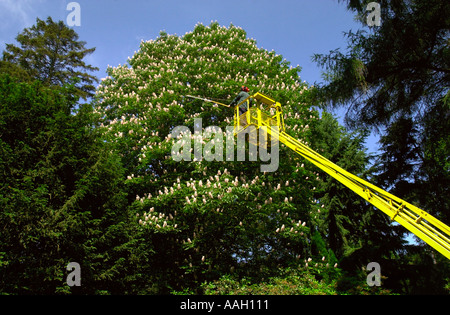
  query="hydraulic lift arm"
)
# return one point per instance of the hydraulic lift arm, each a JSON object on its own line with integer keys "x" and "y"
{"x": 429, "y": 229}
{"x": 420, "y": 223}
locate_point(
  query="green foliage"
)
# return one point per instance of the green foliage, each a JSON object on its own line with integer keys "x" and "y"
{"x": 434, "y": 173}
{"x": 51, "y": 53}
{"x": 360, "y": 232}
{"x": 290, "y": 281}
{"x": 58, "y": 189}
{"x": 396, "y": 70}
{"x": 295, "y": 281}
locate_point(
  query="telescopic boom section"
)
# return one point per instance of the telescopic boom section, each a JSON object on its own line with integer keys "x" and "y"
{"x": 420, "y": 223}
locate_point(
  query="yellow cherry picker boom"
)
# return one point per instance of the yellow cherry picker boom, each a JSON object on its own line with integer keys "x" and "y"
{"x": 426, "y": 227}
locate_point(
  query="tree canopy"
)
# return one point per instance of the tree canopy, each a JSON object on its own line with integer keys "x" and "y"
{"x": 52, "y": 53}
{"x": 396, "y": 70}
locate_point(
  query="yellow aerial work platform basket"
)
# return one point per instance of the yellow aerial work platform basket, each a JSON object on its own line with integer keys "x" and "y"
{"x": 256, "y": 117}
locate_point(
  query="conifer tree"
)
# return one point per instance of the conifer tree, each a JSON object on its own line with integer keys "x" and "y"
{"x": 393, "y": 78}
{"x": 52, "y": 53}
{"x": 60, "y": 188}
{"x": 59, "y": 192}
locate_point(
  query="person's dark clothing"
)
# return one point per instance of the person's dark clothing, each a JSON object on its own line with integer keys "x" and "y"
{"x": 239, "y": 98}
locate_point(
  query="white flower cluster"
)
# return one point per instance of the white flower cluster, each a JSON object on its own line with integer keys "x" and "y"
{"x": 158, "y": 221}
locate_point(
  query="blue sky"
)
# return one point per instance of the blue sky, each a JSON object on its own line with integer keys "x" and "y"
{"x": 295, "y": 29}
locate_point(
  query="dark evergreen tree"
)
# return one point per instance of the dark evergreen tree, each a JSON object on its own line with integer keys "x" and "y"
{"x": 52, "y": 53}
{"x": 61, "y": 196}
{"x": 393, "y": 79}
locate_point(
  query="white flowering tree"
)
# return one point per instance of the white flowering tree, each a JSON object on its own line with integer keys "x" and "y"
{"x": 200, "y": 220}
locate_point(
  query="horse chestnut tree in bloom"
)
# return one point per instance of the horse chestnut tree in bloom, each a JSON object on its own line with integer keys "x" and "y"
{"x": 198, "y": 219}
